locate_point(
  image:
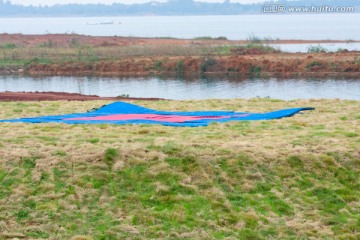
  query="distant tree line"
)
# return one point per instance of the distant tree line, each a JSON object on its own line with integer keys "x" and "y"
{"x": 172, "y": 7}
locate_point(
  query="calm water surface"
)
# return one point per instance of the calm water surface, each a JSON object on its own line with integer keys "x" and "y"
{"x": 329, "y": 47}
{"x": 288, "y": 89}
{"x": 307, "y": 26}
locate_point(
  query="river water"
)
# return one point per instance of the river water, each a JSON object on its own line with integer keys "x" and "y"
{"x": 239, "y": 27}
{"x": 180, "y": 89}
{"x": 303, "y": 27}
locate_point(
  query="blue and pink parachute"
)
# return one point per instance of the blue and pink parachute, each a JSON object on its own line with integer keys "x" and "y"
{"x": 127, "y": 113}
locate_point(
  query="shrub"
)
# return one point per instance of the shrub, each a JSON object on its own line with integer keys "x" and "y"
{"x": 207, "y": 64}
{"x": 255, "y": 70}
{"x": 123, "y": 95}
{"x": 316, "y": 49}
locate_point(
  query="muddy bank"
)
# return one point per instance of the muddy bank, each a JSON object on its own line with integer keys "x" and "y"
{"x": 57, "y": 96}
{"x": 255, "y": 64}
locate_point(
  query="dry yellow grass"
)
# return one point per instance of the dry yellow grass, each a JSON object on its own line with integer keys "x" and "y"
{"x": 293, "y": 178}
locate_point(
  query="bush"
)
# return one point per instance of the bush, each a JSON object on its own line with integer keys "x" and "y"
{"x": 207, "y": 64}
{"x": 255, "y": 70}
{"x": 316, "y": 49}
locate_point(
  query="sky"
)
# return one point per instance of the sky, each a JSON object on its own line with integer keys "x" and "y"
{"x": 52, "y": 2}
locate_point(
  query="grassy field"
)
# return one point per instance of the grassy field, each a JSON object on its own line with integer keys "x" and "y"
{"x": 293, "y": 178}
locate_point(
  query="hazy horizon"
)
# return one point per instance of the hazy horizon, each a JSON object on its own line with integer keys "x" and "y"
{"x": 19, "y": 8}
{"x": 54, "y": 2}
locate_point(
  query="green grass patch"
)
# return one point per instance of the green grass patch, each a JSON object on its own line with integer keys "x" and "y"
{"x": 186, "y": 163}
{"x": 28, "y": 162}
{"x": 59, "y": 153}
{"x": 39, "y": 60}
{"x": 22, "y": 214}
{"x": 38, "y": 234}
{"x": 328, "y": 200}
{"x": 295, "y": 162}
{"x": 351, "y": 134}
{"x": 94, "y": 140}
{"x": 8, "y": 46}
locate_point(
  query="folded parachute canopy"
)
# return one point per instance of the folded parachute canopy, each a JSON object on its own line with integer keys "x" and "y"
{"x": 126, "y": 113}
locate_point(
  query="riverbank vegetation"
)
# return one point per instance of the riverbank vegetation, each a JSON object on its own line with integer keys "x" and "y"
{"x": 292, "y": 178}
{"x": 247, "y": 61}
{"x": 119, "y": 56}
{"x": 11, "y": 54}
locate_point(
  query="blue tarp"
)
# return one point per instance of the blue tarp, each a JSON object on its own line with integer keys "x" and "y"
{"x": 126, "y": 113}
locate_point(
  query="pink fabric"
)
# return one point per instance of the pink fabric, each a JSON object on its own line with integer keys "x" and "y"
{"x": 155, "y": 117}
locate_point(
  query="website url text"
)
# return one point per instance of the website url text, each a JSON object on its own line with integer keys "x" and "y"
{"x": 279, "y": 8}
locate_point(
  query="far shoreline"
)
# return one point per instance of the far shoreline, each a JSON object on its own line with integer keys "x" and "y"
{"x": 62, "y": 40}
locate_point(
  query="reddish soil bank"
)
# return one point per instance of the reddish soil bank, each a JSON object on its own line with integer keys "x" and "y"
{"x": 239, "y": 62}
{"x": 259, "y": 64}
{"x": 56, "y": 96}
{"x": 66, "y": 40}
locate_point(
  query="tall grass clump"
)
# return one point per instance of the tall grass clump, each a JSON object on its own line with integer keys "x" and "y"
{"x": 252, "y": 38}
{"x": 179, "y": 68}
{"x": 110, "y": 156}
